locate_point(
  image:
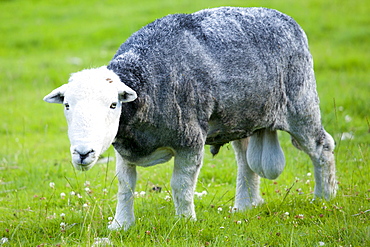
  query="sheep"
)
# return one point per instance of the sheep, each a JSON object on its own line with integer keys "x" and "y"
{"x": 184, "y": 81}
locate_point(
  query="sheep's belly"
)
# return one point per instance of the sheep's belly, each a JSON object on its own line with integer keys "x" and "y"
{"x": 159, "y": 156}
{"x": 219, "y": 134}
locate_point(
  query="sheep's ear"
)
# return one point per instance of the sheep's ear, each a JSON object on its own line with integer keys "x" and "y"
{"x": 126, "y": 94}
{"x": 57, "y": 95}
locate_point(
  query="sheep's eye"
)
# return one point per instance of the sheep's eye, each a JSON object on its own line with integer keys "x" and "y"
{"x": 113, "y": 105}
{"x": 66, "y": 105}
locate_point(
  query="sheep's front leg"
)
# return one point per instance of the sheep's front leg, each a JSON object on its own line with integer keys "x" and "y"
{"x": 247, "y": 183}
{"x": 325, "y": 180}
{"x": 184, "y": 179}
{"x": 126, "y": 175}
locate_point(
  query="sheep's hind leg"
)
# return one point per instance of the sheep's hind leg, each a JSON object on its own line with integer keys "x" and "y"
{"x": 184, "y": 179}
{"x": 247, "y": 183}
{"x": 126, "y": 175}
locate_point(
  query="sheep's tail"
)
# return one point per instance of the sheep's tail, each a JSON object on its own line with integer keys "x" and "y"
{"x": 264, "y": 154}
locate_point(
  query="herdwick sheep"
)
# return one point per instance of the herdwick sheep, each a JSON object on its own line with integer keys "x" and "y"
{"x": 212, "y": 77}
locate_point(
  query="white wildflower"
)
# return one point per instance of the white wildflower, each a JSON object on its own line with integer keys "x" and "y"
{"x": 53, "y": 216}
{"x": 347, "y": 136}
{"x": 200, "y": 194}
{"x": 72, "y": 193}
{"x": 62, "y": 215}
{"x": 139, "y": 194}
{"x": 4, "y": 241}
{"x": 321, "y": 243}
{"x": 167, "y": 198}
{"x": 300, "y": 216}
{"x": 62, "y": 195}
{"x": 87, "y": 183}
{"x": 219, "y": 209}
{"x": 52, "y": 185}
{"x": 102, "y": 242}
{"x": 347, "y": 118}
{"x": 309, "y": 174}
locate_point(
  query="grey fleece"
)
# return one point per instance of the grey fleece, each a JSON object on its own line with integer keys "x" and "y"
{"x": 215, "y": 76}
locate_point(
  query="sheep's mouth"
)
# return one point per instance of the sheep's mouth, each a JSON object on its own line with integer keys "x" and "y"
{"x": 83, "y": 167}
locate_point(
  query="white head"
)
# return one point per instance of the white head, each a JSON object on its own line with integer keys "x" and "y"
{"x": 92, "y": 100}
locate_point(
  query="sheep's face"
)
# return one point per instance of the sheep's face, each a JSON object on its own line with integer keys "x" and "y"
{"x": 92, "y": 105}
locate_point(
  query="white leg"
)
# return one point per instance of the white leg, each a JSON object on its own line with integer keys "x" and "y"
{"x": 247, "y": 183}
{"x": 184, "y": 179}
{"x": 126, "y": 175}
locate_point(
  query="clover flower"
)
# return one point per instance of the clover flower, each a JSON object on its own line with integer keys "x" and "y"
{"x": 4, "y": 240}
{"x": 63, "y": 226}
{"x": 200, "y": 194}
{"x": 102, "y": 242}
{"x": 52, "y": 185}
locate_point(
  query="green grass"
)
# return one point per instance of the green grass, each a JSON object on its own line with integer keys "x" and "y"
{"x": 42, "y": 42}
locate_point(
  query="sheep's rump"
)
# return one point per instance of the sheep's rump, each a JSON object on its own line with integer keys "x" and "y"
{"x": 221, "y": 73}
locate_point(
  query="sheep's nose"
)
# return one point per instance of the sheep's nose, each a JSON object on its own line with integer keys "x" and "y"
{"x": 84, "y": 153}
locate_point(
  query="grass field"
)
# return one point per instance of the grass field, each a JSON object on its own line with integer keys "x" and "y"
{"x": 45, "y": 202}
